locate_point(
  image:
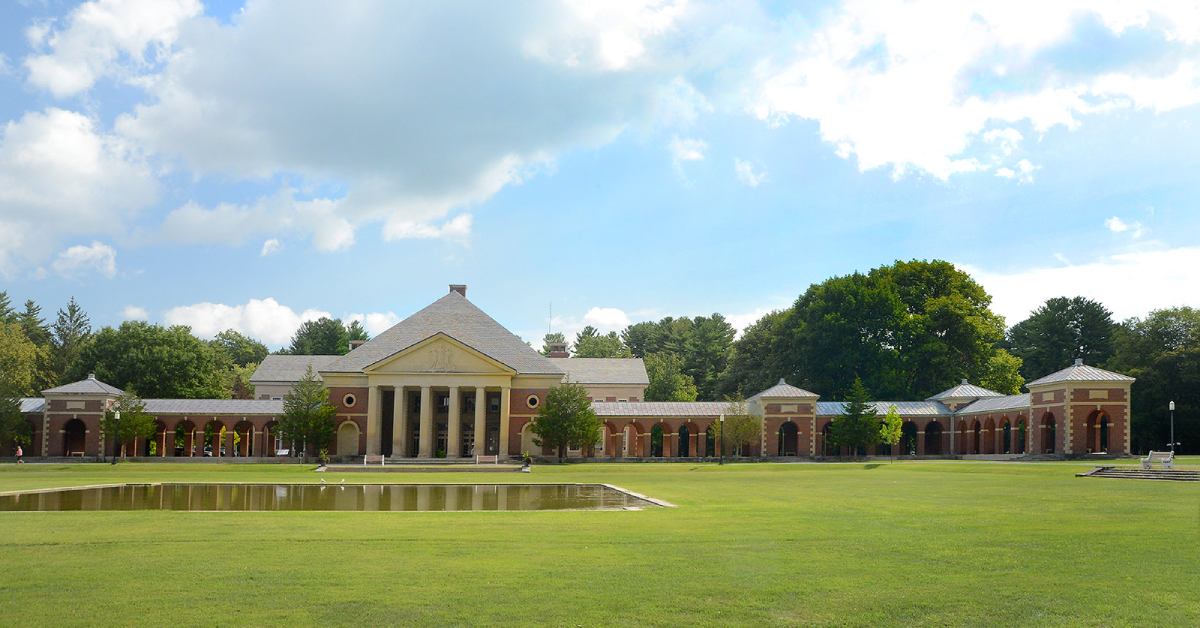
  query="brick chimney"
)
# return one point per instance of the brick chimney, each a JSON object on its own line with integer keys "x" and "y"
{"x": 354, "y": 344}
{"x": 460, "y": 288}
{"x": 557, "y": 350}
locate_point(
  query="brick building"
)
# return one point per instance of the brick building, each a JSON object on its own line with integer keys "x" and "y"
{"x": 449, "y": 381}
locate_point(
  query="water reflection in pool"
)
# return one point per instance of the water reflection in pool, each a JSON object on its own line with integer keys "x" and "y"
{"x": 348, "y": 497}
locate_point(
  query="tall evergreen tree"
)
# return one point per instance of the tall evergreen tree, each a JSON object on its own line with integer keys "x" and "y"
{"x": 38, "y": 332}
{"x": 308, "y": 418}
{"x": 356, "y": 332}
{"x": 1059, "y": 331}
{"x": 858, "y": 426}
{"x": 7, "y": 313}
{"x": 71, "y": 331}
{"x": 552, "y": 338}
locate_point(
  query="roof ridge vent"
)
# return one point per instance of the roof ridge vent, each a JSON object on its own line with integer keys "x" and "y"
{"x": 91, "y": 376}
{"x": 782, "y": 382}
{"x": 964, "y": 380}
{"x": 1078, "y": 361}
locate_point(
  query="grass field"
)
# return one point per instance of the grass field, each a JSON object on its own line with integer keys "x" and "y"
{"x": 864, "y": 544}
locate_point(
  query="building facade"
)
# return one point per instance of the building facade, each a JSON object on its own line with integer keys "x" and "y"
{"x": 451, "y": 382}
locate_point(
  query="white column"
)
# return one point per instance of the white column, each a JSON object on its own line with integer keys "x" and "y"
{"x": 374, "y": 419}
{"x": 505, "y": 394}
{"x": 480, "y": 421}
{"x": 453, "y": 426}
{"x": 426, "y": 449}
{"x": 399, "y": 424}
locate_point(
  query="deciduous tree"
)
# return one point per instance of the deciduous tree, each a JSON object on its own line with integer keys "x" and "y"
{"x": 668, "y": 382}
{"x": 18, "y": 361}
{"x": 135, "y": 421}
{"x": 891, "y": 429}
{"x": 159, "y": 362}
{"x": 1003, "y": 373}
{"x": 741, "y": 428}
{"x": 566, "y": 419}
{"x": 324, "y": 336}
{"x": 239, "y": 348}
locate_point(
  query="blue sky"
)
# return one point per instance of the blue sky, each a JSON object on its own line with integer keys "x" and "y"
{"x": 251, "y": 165}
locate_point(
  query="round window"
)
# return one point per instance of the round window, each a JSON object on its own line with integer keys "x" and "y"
{"x": 532, "y": 401}
{"x": 348, "y": 401}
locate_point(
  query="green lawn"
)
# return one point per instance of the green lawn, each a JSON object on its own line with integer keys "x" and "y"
{"x": 867, "y": 544}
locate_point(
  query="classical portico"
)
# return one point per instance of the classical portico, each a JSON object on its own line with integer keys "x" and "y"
{"x": 440, "y": 384}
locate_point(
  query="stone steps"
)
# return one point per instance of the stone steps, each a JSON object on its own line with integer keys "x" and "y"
{"x": 1137, "y": 473}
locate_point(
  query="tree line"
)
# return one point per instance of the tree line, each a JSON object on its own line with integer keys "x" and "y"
{"x": 909, "y": 330}
{"x": 156, "y": 361}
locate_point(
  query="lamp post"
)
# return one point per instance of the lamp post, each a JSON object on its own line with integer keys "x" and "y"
{"x": 1172, "y": 407}
{"x": 722, "y": 423}
{"x": 116, "y": 438}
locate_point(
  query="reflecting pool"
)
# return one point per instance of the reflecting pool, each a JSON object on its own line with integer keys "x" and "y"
{"x": 331, "y": 497}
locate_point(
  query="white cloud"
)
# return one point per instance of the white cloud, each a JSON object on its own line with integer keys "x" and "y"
{"x": 457, "y": 228}
{"x": 351, "y": 101}
{"x": 1022, "y": 174}
{"x": 135, "y": 313}
{"x": 1116, "y": 225}
{"x": 80, "y": 260}
{"x": 98, "y": 36}
{"x": 686, "y": 149}
{"x": 742, "y": 320}
{"x": 1129, "y": 284}
{"x": 60, "y": 177}
{"x": 606, "y": 319}
{"x": 5, "y": 66}
{"x": 270, "y": 246}
{"x": 746, "y": 173}
{"x": 375, "y": 322}
{"x": 891, "y": 82}
{"x": 264, "y": 319}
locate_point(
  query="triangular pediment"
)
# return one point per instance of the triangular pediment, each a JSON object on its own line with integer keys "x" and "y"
{"x": 439, "y": 354}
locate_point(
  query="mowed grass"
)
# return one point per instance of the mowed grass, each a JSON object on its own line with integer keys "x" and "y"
{"x": 944, "y": 543}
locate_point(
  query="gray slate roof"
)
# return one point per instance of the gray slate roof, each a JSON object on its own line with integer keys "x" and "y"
{"x": 1080, "y": 372}
{"x": 784, "y": 389}
{"x": 30, "y": 405}
{"x": 89, "y": 386}
{"x": 906, "y": 408}
{"x": 660, "y": 408}
{"x": 214, "y": 406}
{"x": 603, "y": 370}
{"x": 996, "y": 404}
{"x": 458, "y": 318}
{"x": 289, "y": 368}
{"x": 965, "y": 390}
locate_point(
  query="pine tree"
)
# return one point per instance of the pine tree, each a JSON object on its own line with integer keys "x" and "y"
{"x": 71, "y": 331}
{"x": 858, "y": 425}
{"x": 38, "y": 333}
{"x": 7, "y": 314}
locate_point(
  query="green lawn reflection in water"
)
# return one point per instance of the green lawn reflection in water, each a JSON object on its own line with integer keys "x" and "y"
{"x": 329, "y": 497}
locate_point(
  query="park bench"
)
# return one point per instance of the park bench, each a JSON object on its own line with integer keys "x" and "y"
{"x": 1165, "y": 458}
{"x": 488, "y": 459}
{"x": 369, "y": 459}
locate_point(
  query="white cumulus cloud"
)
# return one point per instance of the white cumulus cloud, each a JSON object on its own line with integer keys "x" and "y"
{"x": 264, "y": 319}
{"x": 98, "y": 36}
{"x": 81, "y": 260}
{"x": 269, "y": 247}
{"x": 60, "y": 176}
{"x": 375, "y": 322}
{"x": 1116, "y": 225}
{"x": 890, "y": 82}
{"x": 606, "y": 319}
{"x": 686, "y": 149}
{"x": 410, "y": 115}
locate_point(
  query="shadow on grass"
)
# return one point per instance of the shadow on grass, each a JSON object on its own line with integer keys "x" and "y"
{"x": 873, "y": 465}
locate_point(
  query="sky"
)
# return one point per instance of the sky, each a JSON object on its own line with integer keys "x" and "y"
{"x": 251, "y": 165}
